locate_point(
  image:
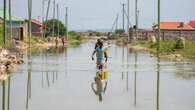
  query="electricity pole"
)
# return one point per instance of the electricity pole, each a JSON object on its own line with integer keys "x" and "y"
{"x": 48, "y": 7}
{"x": 66, "y": 22}
{"x": 136, "y": 12}
{"x": 43, "y": 6}
{"x": 136, "y": 18}
{"x": 54, "y": 6}
{"x": 4, "y": 21}
{"x": 10, "y": 20}
{"x": 117, "y": 22}
{"x": 123, "y": 16}
{"x": 128, "y": 21}
{"x": 158, "y": 38}
{"x": 29, "y": 21}
{"x": 47, "y": 14}
{"x": 58, "y": 20}
{"x": 158, "y": 46}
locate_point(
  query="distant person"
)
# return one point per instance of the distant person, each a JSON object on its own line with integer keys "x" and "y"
{"x": 98, "y": 43}
{"x": 56, "y": 41}
{"x": 14, "y": 43}
{"x": 100, "y": 54}
{"x": 63, "y": 41}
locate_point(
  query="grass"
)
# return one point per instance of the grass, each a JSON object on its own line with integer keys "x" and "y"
{"x": 8, "y": 41}
{"x": 33, "y": 40}
{"x": 74, "y": 38}
{"x": 1, "y": 35}
{"x": 169, "y": 47}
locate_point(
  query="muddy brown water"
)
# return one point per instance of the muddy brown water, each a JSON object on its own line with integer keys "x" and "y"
{"x": 59, "y": 79}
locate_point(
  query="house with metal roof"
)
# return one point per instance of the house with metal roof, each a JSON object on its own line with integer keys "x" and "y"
{"x": 18, "y": 27}
{"x": 37, "y": 27}
{"x": 172, "y": 30}
{"x": 192, "y": 24}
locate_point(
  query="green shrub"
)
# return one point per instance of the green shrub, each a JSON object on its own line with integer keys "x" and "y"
{"x": 165, "y": 46}
{"x": 180, "y": 43}
{"x": 119, "y": 31}
{"x": 1, "y": 32}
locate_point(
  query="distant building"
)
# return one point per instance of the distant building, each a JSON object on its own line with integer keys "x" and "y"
{"x": 37, "y": 27}
{"x": 18, "y": 27}
{"x": 171, "y": 30}
{"x": 192, "y": 24}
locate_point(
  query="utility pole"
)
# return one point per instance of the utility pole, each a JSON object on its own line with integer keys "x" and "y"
{"x": 48, "y": 7}
{"x": 117, "y": 22}
{"x": 66, "y": 22}
{"x": 10, "y": 21}
{"x": 29, "y": 21}
{"x": 123, "y": 16}
{"x": 136, "y": 12}
{"x": 29, "y": 40}
{"x": 4, "y": 21}
{"x": 54, "y": 6}
{"x": 128, "y": 21}
{"x": 158, "y": 65}
{"x": 158, "y": 38}
{"x": 47, "y": 14}
{"x": 58, "y": 20}
{"x": 136, "y": 18}
{"x": 43, "y": 6}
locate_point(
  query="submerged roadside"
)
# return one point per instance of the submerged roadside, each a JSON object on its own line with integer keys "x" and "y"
{"x": 169, "y": 49}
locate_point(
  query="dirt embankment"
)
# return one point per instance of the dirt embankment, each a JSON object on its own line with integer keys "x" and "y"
{"x": 8, "y": 62}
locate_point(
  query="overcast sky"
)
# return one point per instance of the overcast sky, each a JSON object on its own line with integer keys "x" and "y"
{"x": 100, "y": 14}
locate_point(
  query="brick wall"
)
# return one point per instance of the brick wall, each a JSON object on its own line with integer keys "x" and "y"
{"x": 165, "y": 34}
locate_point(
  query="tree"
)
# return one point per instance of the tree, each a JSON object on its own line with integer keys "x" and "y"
{"x": 49, "y": 27}
{"x": 119, "y": 31}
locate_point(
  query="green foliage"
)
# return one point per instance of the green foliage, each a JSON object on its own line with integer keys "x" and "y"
{"x": 1, "y": 32}
{"x": 180, "y": 43}
{"x": 189, "y": 49}
{"x": 119, "y": 31}
{"x": 74, "y": 38}
{"x": 33, "y": 40}
{"x": 72, "y": 34}
{"x": 165, "y": 46}
{"x": 98, "y": 34}
{"x": 49, "y": 30}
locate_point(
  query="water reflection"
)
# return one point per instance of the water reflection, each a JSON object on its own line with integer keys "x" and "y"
{"x": 58, "y": 80}
{"x": 3, "y": 95}
{"x": 9, "y": 93}
{"x": 135, "y": 79}
{"x": 29, "y": 87}
{"x": 158, "y": 81}
{"x": 6, "y": 91}
{"x": 99, "y": 85}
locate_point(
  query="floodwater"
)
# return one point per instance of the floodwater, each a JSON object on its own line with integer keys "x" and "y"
{"x": 59, "y": 79}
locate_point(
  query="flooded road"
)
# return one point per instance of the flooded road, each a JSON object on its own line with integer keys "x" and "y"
{"x": 59, "y": 79}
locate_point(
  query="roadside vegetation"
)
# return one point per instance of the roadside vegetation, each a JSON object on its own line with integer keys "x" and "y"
{"x": 186, "y": 49}
{"x": 1, "y": 37}
{"x": 34, "y": 40}
{"x": 74, "y": 38}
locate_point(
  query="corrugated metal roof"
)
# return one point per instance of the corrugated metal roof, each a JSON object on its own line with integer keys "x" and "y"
{"x": 14, "y": 18}
{"x": 36, "y": 22}
{"x": 174, "y": 26}
{"x": 192, "y": 23}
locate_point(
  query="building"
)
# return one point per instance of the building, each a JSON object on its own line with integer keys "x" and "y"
{"x": 171, "y": 30}
{"x": 18, "y": 27}
{"x": 37, "y": 28}
{"x": 192, "y": 24}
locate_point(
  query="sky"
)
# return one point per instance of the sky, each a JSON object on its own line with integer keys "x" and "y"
{"x": 100, "y": 14}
